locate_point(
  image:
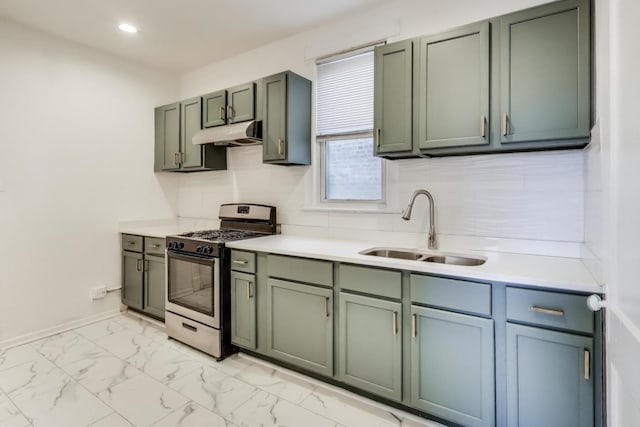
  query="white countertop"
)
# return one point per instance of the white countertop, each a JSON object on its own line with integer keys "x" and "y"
{"x": 535, "y": 270}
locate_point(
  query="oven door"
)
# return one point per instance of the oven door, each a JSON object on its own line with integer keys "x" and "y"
{"x": 193, "y": 287}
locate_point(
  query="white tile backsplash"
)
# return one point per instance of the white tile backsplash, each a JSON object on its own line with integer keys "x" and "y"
{"x": 531, "y": 196}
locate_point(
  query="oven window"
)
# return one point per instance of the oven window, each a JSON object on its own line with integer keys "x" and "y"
{"x": 191, "y": 285}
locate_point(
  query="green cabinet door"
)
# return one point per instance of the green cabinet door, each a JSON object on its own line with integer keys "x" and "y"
{"x": 243, "y": 309}
{"x": 370, "y": 352}
{"x": 393, "y": 71}
{"x": 286, "y": 119}
{"x": 132, "y": 279}
{"x": 154, "y": 284}
{"x": 452, "y": 366}
{"x": 545, "y": 73}
{"x": 549, "y": 381}
{"x": 191, "y": 115}
{"x": 214, "y": 109}
{"x": 241, "y": 103}
{"x": 168, "y": 137}
{"x": 453, "y": 88}
{"x": 274, "y": 120}
{"x": 300, "y": 325}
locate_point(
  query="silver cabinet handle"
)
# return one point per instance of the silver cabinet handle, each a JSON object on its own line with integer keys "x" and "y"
{"x": 394, "y": 323}
{"x": 326, "y": 307}
{"x": 280, "y": 145}
{"x": 483, "y": 126}
{"x": 249, "y": 294}
{"x": 222, "y": 113}
{"x": 229, "y": 112}
{"x": 549, "y": 311}
{"x": 131, "y": 242}
{"x": 505, "y": 124}
{"x": 155, "y": 245}
{"x": 176, "y": 158}
{"x": 139, "y": 265}
{"x": 587, "y": 364}
{"x": 145, "y": 265}
{"x": 377, "y": 137}
{"x": 414, "y": 325}
{"x": 239, "y": 262}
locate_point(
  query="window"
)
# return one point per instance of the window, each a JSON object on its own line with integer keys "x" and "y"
{"x": 344, "y": 121}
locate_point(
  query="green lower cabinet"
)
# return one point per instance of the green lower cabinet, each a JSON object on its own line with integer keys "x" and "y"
{"x": 452, "y": 366}
{"x": 243, "y": 310}
{"x": 132, "y": 279}
{"x": 300, "y": 325}
{"x": 549, "y": 380}
{"x": 154, "y": 293}
{"x": 370, "y": 352}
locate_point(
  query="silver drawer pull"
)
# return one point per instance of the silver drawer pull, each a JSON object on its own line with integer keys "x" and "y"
{"x": 131, "y": 242}
{"x": 239, "y": 262}
{"x": 395, "y": 323}
{"x": 505, "y": 124}
{"x": 139, "y": 266}
{"x": 414, "y": 325}
{"x": 326, "y": 307}
{"x": 249, "y": 293}
{"x": 155, "y": 246}
{"x": 483, "y": 126}
{"x": 550, "y": 311}
{"x": 189, "y": 327}
{"x": 587, "y": 364}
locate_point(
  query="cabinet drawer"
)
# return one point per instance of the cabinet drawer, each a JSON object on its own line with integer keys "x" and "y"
{"x": 471, "y": 297}
{"x": 243, "y": 261}
{"x": 374, "y": 281}
{"x": 300, "y": 269}
{"x": 131, "y": 242}
{"x": 553, "y": 309}
{"x": 154, "y": 245}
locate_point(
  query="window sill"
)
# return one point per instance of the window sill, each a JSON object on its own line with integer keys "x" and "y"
{"x": 342, "y": 209}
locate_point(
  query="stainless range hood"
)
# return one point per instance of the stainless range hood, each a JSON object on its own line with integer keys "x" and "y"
{"x": 245, "y": 133}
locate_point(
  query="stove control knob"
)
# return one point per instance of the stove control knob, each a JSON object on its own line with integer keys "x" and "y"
{"x": 180, "y": 245}
{"x": 208, "y": 250}
{"x": 199, "y": 249}
{"x": 172, "y": 245}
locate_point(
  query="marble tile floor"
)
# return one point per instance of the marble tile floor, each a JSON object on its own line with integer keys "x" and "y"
{"x": 124, "y": 372}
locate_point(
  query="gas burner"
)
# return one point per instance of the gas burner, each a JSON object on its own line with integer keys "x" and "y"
{"x": 221, "y": 235}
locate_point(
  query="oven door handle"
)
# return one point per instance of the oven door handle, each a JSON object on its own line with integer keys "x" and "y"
{"x": 191, "y": 258}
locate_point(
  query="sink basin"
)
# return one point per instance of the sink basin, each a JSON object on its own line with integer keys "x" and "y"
{"x": 454, "y": 260}
{"x": 412, "y": 255}
{"x": 393, "y": 253}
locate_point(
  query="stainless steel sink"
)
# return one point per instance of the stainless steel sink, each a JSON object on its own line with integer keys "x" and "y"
{"x": 393, "y": 253}
{"x": 451, "y": 259}
{"x": 454, "y": 260}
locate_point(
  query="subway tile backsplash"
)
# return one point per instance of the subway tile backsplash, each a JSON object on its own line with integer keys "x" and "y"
{"x": 532, "y": 196}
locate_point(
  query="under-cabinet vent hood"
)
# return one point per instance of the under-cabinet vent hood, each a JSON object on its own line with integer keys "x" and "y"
{"x": 245, "y": 133}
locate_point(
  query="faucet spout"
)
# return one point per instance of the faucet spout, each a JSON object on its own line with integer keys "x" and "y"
{"x": 406, "y": 215}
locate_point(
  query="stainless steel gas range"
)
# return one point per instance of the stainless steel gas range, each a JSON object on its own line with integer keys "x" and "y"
{"x": 199, "y": 277}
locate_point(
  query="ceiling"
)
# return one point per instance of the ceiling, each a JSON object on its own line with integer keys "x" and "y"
{"x": 178, "y": 35}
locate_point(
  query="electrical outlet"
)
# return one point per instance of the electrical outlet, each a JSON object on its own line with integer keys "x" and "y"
{"x": 98, "y": 292}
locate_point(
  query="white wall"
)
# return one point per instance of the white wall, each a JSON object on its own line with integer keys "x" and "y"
{"x": 76, "y": 150}
{"x": 528, "y": 196}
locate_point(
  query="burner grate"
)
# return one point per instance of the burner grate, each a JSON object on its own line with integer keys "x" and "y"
{"x": 221, "y": 235}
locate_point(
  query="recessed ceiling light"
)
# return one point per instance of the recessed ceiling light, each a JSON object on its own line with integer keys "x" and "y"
{"x": 128, "y": 28}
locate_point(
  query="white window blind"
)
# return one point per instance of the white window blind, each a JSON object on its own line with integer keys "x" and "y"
{"x": 344, "y": 98}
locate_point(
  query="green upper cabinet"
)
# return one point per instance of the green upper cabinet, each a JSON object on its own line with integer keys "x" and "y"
{"x": 545, "y": 73}
{"x": 190, "y": 124}
{"x": 234, "y": 105}
{"x": 549, "y": 378}
{"x": 214, "y": 110}
{"x": 179, "y": 154}
{"x": 286, "y": 123}
{"x": 167, "y": 137}
{"x": 241, "y": 103}
{"x": 452, "y": 106}
{"x": 393, "y": 86}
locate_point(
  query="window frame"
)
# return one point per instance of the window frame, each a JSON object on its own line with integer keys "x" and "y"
{"x": 322, "y": 139}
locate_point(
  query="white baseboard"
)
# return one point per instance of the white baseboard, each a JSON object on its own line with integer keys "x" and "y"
{"x": 43, "y": 333}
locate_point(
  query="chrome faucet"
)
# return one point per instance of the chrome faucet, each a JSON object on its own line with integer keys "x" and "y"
{"x": 406, "y": 215}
